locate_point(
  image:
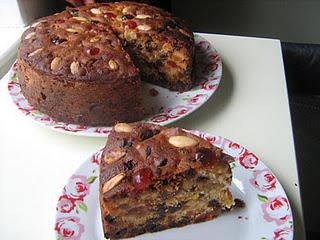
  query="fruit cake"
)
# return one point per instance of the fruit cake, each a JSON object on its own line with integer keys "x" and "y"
{"x": 85, "y": 65}
{"x": 154, "y": 178}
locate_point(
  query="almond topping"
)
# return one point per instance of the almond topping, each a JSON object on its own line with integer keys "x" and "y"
{"x": 127, "y": 10}
{"x": 112, "y": 182}
{"x": 114, "y": 156}
{"x": 95, "y": 11}
{"x": 73, "y": 30}
{"x": 123, "y": 127}
{"x": 75, "y": 67}
{"x": 30, "y": 35}
{"x": 184, "y": 32}
{"x": 35, "y": 52}
{"x": 37, "y": 23}
{"x": 144, "y": 27}
{"x": 112, "y": 64}
{"x": 55, "y": 64}
{"x": 137, "y": 146}
{"x": 143, "y": 16}
{"x": 95, "y": 39}
{"x": 81, "y": 19}
{"x": 182, "y": 141}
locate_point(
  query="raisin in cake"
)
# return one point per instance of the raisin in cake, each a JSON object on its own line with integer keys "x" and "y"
{"x": 85, "y": 65}
{"x": 154, "y": 178}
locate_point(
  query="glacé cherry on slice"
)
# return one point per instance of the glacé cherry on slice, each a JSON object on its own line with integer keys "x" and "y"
{"x": 142, "y": 178}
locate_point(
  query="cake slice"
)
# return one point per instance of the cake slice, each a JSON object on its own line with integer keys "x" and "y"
{"x": 154, "y": 178}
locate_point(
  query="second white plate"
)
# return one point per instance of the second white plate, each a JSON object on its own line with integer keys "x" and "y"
{"x": 266, "y": 216}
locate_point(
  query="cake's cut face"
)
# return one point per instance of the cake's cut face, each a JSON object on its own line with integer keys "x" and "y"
{"x": 154, "y": 178}
{"x": 83, "y": 65}
{"x": 160, "y": 44}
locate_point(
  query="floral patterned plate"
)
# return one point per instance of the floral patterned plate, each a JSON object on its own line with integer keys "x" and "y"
{"x": 162, "y": 106}
{"x": 266, "y": 216}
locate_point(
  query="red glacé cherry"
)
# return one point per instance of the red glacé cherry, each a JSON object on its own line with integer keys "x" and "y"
{"x": 130, "y": 25}
{"x": 206, "y": 156}
{"x": 93, "y": 51}
{"x": 109, "y": 15}
{"x": 142, "y": 178}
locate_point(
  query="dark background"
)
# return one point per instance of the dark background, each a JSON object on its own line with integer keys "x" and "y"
{"x": 288, "y": 20}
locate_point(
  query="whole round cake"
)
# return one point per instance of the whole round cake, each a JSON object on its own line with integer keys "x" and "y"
{"x": 85, "y": 65}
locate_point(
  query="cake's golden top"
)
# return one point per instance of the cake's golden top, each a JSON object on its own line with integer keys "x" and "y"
{"x": 68, "y": 46}
{"x": 138, "y": 155}
{"x": 83, "y": 43}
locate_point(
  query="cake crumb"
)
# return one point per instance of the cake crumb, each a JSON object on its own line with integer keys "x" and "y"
{"x": 239, "y": 203}
{"x": 153, "y": 92}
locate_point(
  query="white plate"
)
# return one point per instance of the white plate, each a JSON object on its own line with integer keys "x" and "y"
{"x": 267, "y": 214}
{"x": 162, "y": 106}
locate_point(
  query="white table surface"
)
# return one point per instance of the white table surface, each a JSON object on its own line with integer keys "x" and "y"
{"x": 250, "y": 107}
{"x": 8, "y": 45}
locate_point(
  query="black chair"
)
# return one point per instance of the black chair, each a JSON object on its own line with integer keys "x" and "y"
{"x": 302, "y": 67}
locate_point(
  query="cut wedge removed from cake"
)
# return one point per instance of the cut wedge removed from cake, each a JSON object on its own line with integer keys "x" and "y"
{"x": 154, "y": 178}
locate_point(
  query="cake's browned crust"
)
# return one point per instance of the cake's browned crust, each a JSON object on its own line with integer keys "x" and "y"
{"x": 80, "y": 101}
{"x": 188, "y": 180}
{"x": 79, "y": 61}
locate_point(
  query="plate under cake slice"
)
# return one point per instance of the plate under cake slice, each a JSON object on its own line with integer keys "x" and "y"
{"x": 154, "y": 178}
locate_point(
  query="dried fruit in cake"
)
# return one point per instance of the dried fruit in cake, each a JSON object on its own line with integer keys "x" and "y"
{"x": 154, "y": 178}
{"x": 88, "y": 61}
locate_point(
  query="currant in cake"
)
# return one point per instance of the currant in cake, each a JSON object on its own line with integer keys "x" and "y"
{"x": 154, "y": 178}
{"x": 85, "y": 65}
